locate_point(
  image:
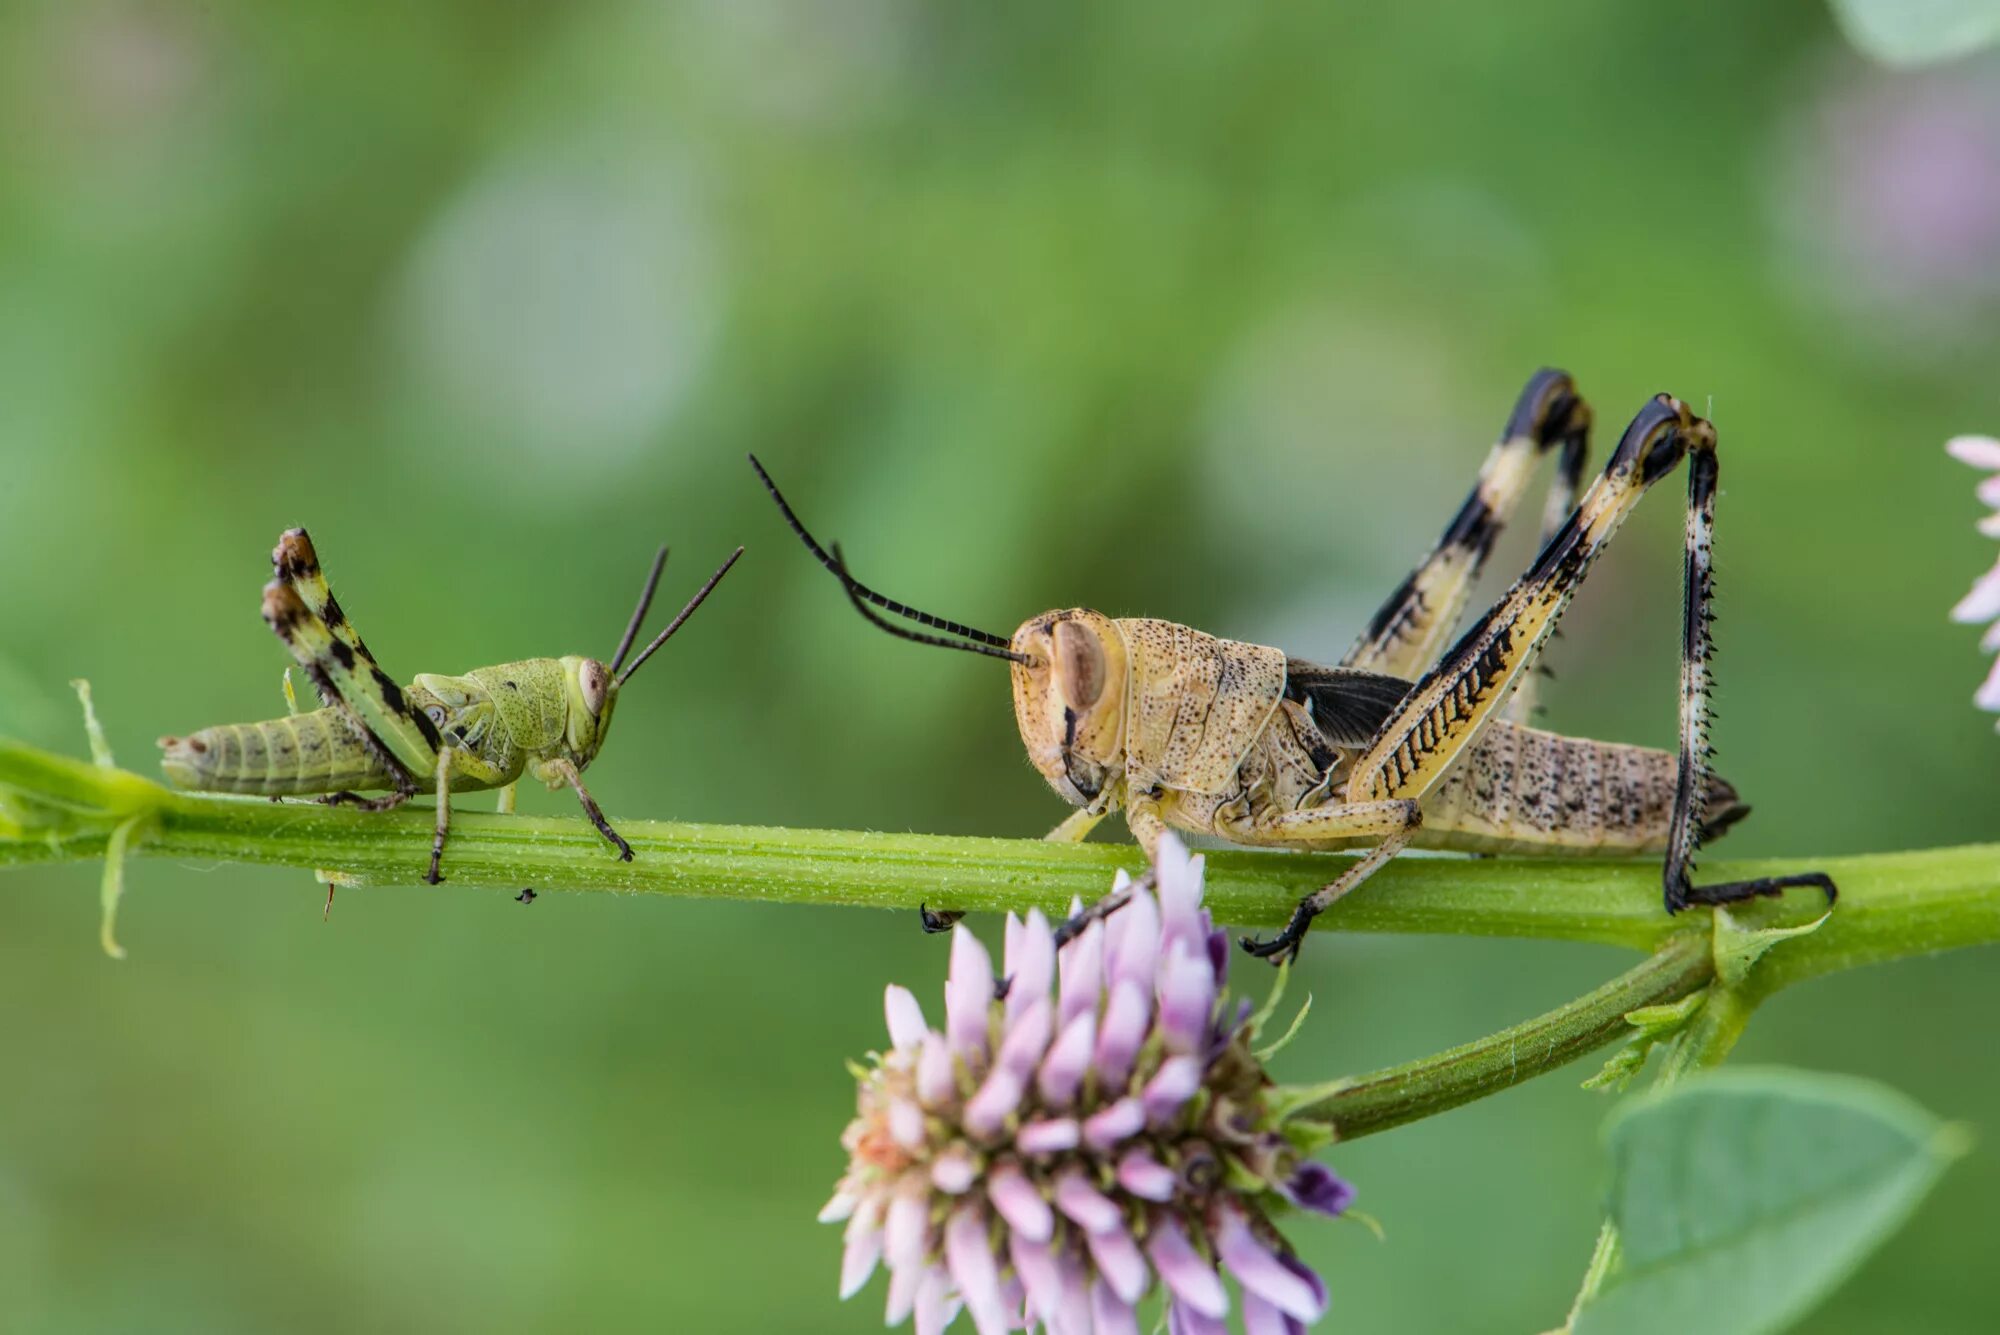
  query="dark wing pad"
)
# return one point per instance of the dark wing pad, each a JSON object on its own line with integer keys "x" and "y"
{"x": 1348, "y": 705}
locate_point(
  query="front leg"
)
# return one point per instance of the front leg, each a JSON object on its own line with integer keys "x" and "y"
{"x": 558, "y": 771}
{"x": 1076, "y": 827}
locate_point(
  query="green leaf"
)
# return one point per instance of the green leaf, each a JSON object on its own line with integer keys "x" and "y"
{"x": 1738, "y": 948}
{"x": 1742, "y": 1197}
{"x": 1918, "y": 32}
{"x": 1654, "y": 1025}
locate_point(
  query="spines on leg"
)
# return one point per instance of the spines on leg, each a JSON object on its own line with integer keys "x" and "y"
{"x": 1447, "y": 709}
{"x": 1692, "y": 800}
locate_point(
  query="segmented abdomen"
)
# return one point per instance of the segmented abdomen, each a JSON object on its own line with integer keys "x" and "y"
{"x": 317, "y": 752}
{"x": 1524, "y": 790}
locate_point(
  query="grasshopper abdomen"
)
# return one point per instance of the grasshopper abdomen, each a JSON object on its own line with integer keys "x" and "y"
{"x": 318, "y": 752}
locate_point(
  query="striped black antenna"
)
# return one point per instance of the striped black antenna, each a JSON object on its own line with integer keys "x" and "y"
{"x": 982, "y": 641}
{"x": 681, "y": 616}
{"x": 639, "y": 612}
{"x": 839, "y": 567}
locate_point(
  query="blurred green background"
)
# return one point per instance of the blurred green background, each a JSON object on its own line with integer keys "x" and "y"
{"x": 1195, "y": 311}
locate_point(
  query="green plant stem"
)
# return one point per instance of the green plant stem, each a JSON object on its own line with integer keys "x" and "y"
{"x": 53, "y": 808}
{"x": 1362, "y": 1105}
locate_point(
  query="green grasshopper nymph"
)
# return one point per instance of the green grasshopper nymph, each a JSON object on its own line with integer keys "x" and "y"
{"x": 546, "y": 717}
{"x": 1411, "y": 739}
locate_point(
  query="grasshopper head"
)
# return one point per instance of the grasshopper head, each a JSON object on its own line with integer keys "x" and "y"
{"x": 1069, "y": 699}
{"x": 591, "y": 692}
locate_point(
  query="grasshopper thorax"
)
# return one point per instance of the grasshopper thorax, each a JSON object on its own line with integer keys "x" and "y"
{"x": 1069, "y": 699}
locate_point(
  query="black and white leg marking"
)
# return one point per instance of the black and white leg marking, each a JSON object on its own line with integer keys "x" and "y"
{"x": 1445, "y": 711}
{"x": 1697, "y": 688}
{"x": 1412, "y": 627}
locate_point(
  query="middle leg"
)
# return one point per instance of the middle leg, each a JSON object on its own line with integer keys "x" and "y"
{"x": 1394, "y": 823}
{"x": 455, "y": 760}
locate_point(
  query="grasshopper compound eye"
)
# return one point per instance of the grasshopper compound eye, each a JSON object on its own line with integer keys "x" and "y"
{"x": 1079, "y": 665}
{"x": 594, "y": 680}
{"x": 1069, "y": 699}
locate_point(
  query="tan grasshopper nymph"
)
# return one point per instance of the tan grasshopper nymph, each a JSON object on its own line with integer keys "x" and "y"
{"x": 1245, "y": 742}
{"x": 545, "y": 717}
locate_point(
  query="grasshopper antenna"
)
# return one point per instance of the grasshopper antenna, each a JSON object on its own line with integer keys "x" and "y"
{"x": 854, "y": 594}
{"x": 680, "y": 617}
{"x": 981, "y": 641}
{"x": 639, "y": 612}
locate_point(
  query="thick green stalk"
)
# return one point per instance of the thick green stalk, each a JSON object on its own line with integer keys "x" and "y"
{"x": 53, "y": 808}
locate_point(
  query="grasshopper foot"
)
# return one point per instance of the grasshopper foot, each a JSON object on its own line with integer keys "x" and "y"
{"x": 1284, "y": 947}
{"x": 1735, "y": 892}
{"x": 387, "y": 802}
{"x": 938, "y": 920}
{"x": 617, "y": 840}
{"x": 1073, "y": 926}
{"x": 527, "y": 896}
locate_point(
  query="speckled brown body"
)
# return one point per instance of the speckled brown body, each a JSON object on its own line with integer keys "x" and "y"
{"x": 1407, "y": 741}
{"x": 1515, "y": 790}
{"x": 1524, "y": 790}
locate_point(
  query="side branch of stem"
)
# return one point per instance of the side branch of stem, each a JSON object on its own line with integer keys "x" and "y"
{"x": 1364, "y": 1104}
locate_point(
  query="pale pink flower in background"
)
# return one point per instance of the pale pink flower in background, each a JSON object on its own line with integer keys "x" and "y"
{"x": 1092, "y": 1127}
{"x": 1982, "y": 604}
{"x": 1884, "y": 192}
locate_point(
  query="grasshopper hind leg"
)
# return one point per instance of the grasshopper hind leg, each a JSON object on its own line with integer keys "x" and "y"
{"x": 1695, "y": 785}
{"x": 1445, "y": 711}
{"x": 386, "y": 802}
{"x": 1770, "y": 887}
{"x": 1410, "y": 630}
